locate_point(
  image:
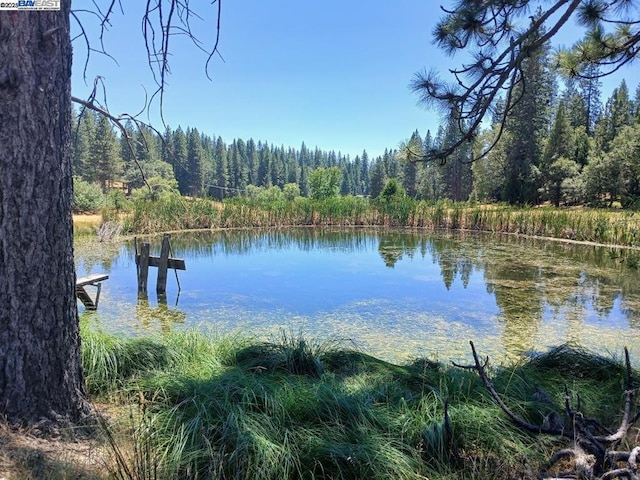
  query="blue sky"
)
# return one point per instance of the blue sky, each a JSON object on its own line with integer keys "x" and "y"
{"x": 334, "y": 74}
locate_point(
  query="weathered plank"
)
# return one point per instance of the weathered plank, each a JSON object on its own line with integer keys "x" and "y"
{"x": 175, "y": 263}
{"x": 91, "y": 279}
{"x": 143, "y": 267}
{"x": 163, "y": 264}
{"x": 86, "y": 300}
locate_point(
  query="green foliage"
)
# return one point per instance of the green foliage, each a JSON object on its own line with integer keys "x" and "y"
{"x": 173, "y": 212}
{"x": 83, "y": 135}
{"x": 271, "y": 194}
{"x": 324, "y": 183}
{"x": 117, "y": 200}
{"x": 195, "y": 164}
{"x": 378, "y": 179}
{"x": 520, "y": 168}
{"x": 291, "y": 191}
{"x": 395, "y": 203}
{"x": 557, "y": 173}
{"x": 159, "y": 188}
{"x": 104, "y": 153}
{"x": 234, "y": 407}
{"x": 87, "y": 197}
{"x": 109, "y": 362}
{"x": 392, "y": 190}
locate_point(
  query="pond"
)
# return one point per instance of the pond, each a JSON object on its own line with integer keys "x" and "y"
{"x": 394, "y": 294}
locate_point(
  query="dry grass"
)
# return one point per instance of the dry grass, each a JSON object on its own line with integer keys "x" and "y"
{"x": 24, "y": 456}
{"x": 86, "y": 224}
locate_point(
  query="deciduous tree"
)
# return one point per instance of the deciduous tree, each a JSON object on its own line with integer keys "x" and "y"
{"x": 324, "y": 182}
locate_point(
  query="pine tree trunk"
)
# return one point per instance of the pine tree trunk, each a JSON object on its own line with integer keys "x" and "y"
{"x": 40, "y": 370}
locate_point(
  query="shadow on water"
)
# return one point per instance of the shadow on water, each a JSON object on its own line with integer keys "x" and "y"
{"x": 396, "y": 294}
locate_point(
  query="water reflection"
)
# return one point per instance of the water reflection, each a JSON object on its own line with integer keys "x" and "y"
{"x": 393, "y": 246}
{"x": 162, "y": 316}
{"x": 398, "y": 294}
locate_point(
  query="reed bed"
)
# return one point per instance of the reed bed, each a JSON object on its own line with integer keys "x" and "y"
{"x": 578, "y": 224}
{"x": 205, "y": 406}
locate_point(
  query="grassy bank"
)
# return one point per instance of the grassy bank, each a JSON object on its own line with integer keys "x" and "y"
{"x": 580, "y": 224}
{"x": 198, "y": 406}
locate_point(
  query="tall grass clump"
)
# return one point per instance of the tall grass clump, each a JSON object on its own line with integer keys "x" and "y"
{"x": 173, "y": 212}
{"x": 599, "y": 226}
{"x": 206, "y": 406}
{"x": 110, "y": 361}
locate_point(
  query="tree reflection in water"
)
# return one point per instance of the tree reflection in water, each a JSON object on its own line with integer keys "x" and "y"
{"x": 407, "y": 293}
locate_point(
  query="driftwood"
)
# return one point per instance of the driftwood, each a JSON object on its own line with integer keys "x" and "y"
{"x": 593, "y": 453}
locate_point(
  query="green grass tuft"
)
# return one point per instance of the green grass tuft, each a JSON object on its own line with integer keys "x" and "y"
{"x": 232, "y": 407}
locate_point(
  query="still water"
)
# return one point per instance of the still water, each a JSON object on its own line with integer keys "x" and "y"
{"x": 396, "y": 295}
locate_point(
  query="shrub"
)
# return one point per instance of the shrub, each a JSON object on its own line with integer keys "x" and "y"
{"x": 87, "y": 197}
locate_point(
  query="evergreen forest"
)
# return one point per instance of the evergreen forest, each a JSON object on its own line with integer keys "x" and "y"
{"x": 562, "y": 144}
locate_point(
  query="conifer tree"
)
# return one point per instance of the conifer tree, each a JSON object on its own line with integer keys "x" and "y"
{"x": 425, "y": 170}
{"x": 489, "y": 173}
{"x": 195, "y": 163}
{"x": 127, "y": 155}
{"x": 618, "y": 113}
{"x": 409, "y": 168}
{"x": 238, "y": 169}
{"x": 378, "y": 178}
{"x": 390, "y": 164}
{"x": 178, "y": 159}
{"x": 526, "y": 123}
{"x": 358, "y": 184}
{"x": 590, "y": 85}
{"x": 104, "y": 154}
{"x": 430, "y": 181}
{"x": 222, "y": 170}
{"x": 83, "y": 132}
{"x": 278, "y": 172}
{"x": 364, "y": 176}
{"x": 264, "y": 165}
{"x": 502, "y": 36}
{"x": 560, "y": 141}
{"x": 292, "y": 167}
{"x": 456, "y": 172}
{"x": 304, "y": 180}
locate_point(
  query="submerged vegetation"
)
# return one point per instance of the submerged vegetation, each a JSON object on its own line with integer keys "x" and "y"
{"x": 204, "y": 406}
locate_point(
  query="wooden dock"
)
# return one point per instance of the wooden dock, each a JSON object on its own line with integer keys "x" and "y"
{"x": 94, "y": 280}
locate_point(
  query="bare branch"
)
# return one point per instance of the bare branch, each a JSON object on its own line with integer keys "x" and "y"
{"x": 625, "y": 423}
{"x": 162, "y": 19}
{"x": 590, "y": 454}
{"x": 117, "y": 121}
{"x": 480, "y": 368}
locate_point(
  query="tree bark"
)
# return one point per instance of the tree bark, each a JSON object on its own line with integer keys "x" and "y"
{"x": 40, "y": 370}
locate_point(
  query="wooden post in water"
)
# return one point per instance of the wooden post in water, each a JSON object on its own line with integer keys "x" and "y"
{"x": 143, "y": 272}
{"x": 163, "y": 262}
{"x": 161, "y": 285}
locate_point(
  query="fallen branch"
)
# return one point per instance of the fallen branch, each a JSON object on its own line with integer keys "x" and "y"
{"x": 593, "y": 453}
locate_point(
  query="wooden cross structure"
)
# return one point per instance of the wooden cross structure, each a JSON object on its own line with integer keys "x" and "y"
{"x": 163, "y": 262}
